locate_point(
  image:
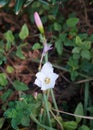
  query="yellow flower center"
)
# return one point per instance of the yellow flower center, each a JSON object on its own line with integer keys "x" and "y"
{"x": 47, "y": 80}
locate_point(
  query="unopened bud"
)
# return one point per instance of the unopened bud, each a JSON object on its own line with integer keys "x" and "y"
{"x": 38, "y": 22}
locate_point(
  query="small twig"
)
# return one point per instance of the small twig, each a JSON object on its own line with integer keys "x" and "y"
{"x": 83, "y": 81}
{"x": 70, "y": 114}
{"x": 85, "y": 12}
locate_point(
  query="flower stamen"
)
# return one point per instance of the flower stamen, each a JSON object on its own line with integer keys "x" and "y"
{"x": 47, "y": 80}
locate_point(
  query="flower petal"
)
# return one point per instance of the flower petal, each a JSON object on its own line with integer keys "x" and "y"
{"x": 38, "y": 82}
{"x": 47, "y": 68}
{"x": 46, "y": 78}
{"x": 47, "y": 47}
{"x": 40, "y": 76}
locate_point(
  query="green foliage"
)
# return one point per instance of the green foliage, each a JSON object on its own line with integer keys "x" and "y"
{"x": 19, "y": 113}
{"x": 6, "y": 95}
{"x": 90, "y": 109}
{"x": 19, "y": 53}
{"x": 20, "y": 86}
{"x": 59, "y": 43}
{"x": 71, "y": 22}
{"x": 9, "y": 38}
{"x": 4, "y": 2}
{"x": 9, "y": 69}
{"x": 2, "y": 57}
{"x": 3, "y": 79}
{"x": 70, "y": 125}
{"x": 73, "y": 67}
{"x": 84, "y": 127}
{"x": 57, "y": 27}
{"x": 81, "y": 53}
{"x": 2, "y": 120}
{"x": 37, "y": 46}
{"x": 18, "y": 5}
{"x": 24, "y": 32}
{"x": 79, "y": 111}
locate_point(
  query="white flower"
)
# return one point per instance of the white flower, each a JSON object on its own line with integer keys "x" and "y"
{"x": 46, "y": 77}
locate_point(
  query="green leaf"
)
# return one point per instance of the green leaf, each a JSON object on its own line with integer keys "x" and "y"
{"x": 62, "y": 37}
{"x": 90, "y": 109}
{"x": 76, "y": 56}
{"x": 73, "y": 63}
{"x": 18, "y": 5}
{"x": 57, "y": 27}
{"x": 87, "y": 45}
{"x": 8, "y": 46}
{"x": 84, "y": 127}
{"x": 71, "y": 22}
{"x": 3, "y": 79}
{"x": 24, "y": 32}
{"x": 20, "y": 86}
{"x": 78, "y": 41}
{"x": 9, "y": 69}
{"x": 28, "y": 2}
{"x": 19, "y": 53}
{"x": 70, "y": 125}
{"x": 2, "y": 120}
{"x": 83, "y": 36}
{"x": 76, "y": 50}
{"x": 6, "y": 95}
{"x": 74, "y": 74}
{"x": 14, "y": 124}
{"x": 9, "y": 36}
{"x": 3, "y": 2}
{"x": 86, "y": 54}
{"x": 36, "y": 46}
{"x": 59, "y": 46}
{"x": 10, "y": 113}
{"x": 79, "y": 111}
{"x": 25, "y": 121}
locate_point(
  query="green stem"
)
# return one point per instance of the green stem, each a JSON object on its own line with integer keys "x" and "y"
{"x": 47, "y": 109}
{"x": 86, "y": 98}
{"x": 52, "y": 93}
{"x": 60, "y": 123}
{"x": 36, "y": 121}
{"x": 54, "y": 100}
{"x": 46, "y": 57}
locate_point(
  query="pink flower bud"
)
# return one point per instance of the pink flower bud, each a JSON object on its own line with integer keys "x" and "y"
{"x": 38, "y": 22}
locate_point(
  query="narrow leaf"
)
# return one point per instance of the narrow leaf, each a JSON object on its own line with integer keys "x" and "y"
{"x": 2, "y": 120}
{"x": 79, "y": 111}
{"x": 18, "y": 5}
{"x": 3, "y": 2}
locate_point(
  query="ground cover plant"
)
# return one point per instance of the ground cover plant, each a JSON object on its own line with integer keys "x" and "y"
{"x": 46, "y": 65}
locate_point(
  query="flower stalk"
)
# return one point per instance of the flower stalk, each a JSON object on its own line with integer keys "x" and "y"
{"x": 45, "y": 77}
{"x": 47, "y": 109}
